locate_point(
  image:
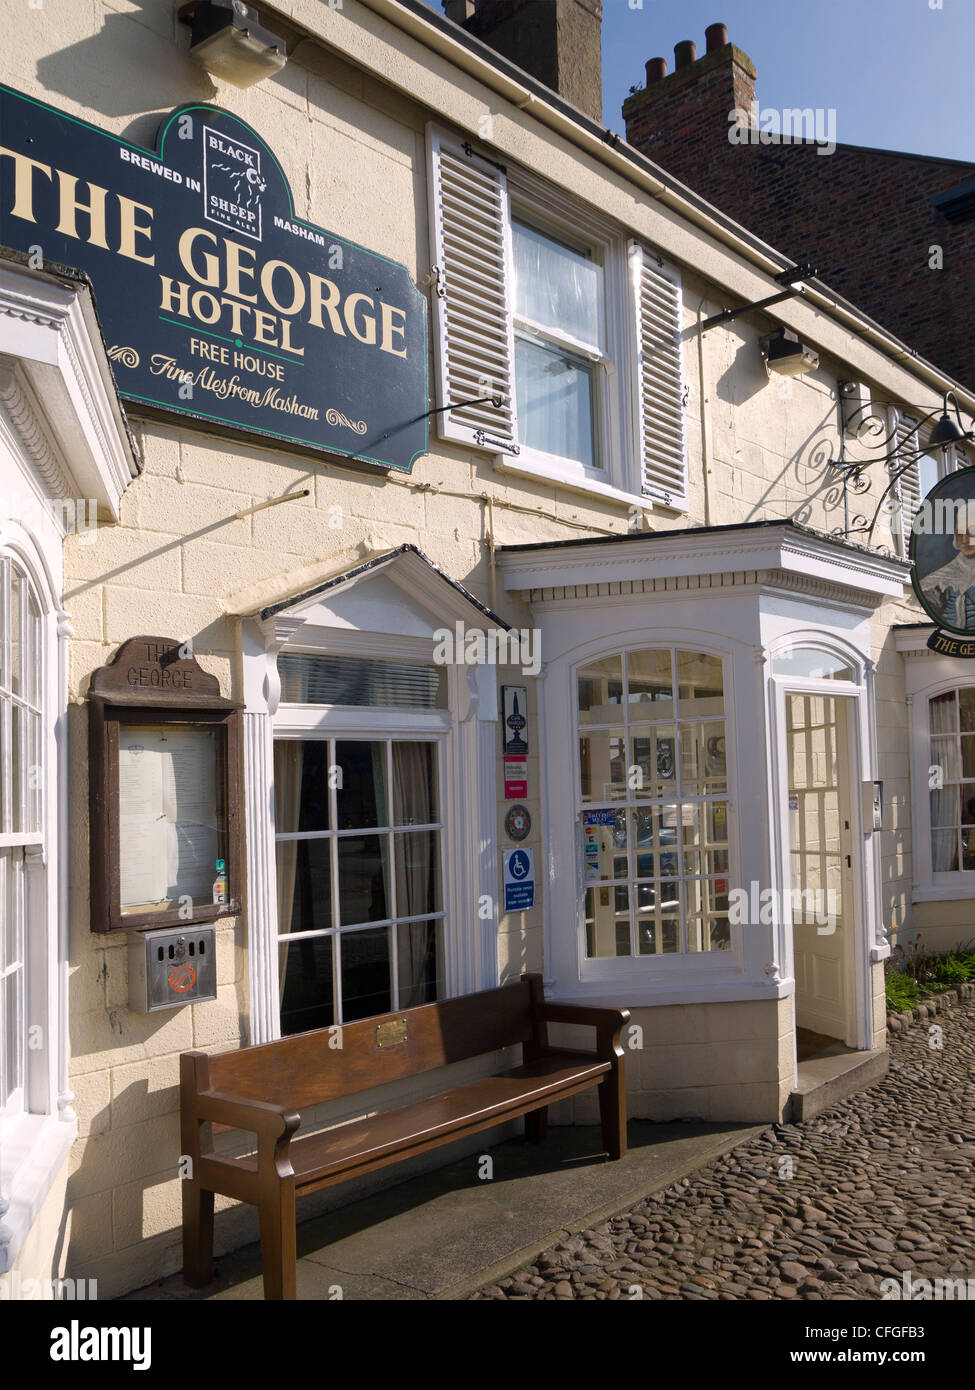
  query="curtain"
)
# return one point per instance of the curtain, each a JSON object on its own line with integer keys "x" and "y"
{"x": 944, "y": 800}
{"x": 556, "y": 285}
{"x": 416, "y": 865}
{"x": 555, "y": 402}
{"x": 288, "y": 759}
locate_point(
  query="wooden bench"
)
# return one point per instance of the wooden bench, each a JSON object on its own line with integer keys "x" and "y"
{"x": 264, "y": 1089}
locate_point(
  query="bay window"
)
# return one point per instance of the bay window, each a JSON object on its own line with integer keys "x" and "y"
{"x": 653, "y": 803}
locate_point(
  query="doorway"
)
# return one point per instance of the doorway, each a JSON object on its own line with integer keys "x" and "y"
{"x": 822, "y": 845}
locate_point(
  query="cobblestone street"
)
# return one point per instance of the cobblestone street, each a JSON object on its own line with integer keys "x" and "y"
{"x": 878, "y": 1185}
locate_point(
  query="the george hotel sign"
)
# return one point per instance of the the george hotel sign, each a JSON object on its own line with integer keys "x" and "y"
{"x": 216, "y": 301}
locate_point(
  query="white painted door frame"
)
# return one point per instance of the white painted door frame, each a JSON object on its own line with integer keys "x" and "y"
{"x": 864, "y": 906}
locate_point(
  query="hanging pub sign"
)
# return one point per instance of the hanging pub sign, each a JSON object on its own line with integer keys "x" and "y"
{"x": 216, "y": 301}
{"x": 943, "y": 560}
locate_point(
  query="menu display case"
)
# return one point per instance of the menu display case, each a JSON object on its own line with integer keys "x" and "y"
{"x": 165, "y": 790}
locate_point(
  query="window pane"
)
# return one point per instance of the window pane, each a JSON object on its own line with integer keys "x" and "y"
{"x": 600, "y": 686}
{"x": 814, "y": 665}
{"x": 16, "y": 643}
{"x": 11, "y": 999}
{"x": 363, "y": 875}
{"x": 307, "y": 991}
{"x": 11, "y": 901}
{"x": 418, "y": 964}
{"x": 415, "y": 784}
{"x": 352, "y": 680}
{"x": 966, "y": 699}
{"x": 654, "y": 760}
{"x": 700, "y": 683}
{"x": 365, "y": 974}
{"x": 602, "y": 756}
{"x": 944, "y": 851}
{"x": 300, "y": 785}
{"x": 649, "y": 680}
{"x": 556, "y": 285}
{"x": 417, "y": 873}
{"x": 657, "y": 926}
{"x": 603, "y": 836}
{"x": 556, "y": 397}
{"x": 968, "y": 849}
{"x": 654, "y": 844}
{"x": 718, "y": 822}
{"x": 943, "y": 713}
{"x": 32, "y": 651}
{"x": 703, "y": 766}
{"x": 945, "y": 755}
{"x": 607, "y": 922}
{"x": 360, "y": 796}
{"x": 304, "y": 885}
{"x": 944, "y": 806}
{"x": 20, "y": 757}
{"x": 967, "y": 755}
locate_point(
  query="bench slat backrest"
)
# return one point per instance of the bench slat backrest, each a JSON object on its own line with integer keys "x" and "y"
{"x": 305, "y": 1070}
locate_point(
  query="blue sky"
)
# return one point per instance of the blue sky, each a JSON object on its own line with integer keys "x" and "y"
{"x": 898, "y": 73}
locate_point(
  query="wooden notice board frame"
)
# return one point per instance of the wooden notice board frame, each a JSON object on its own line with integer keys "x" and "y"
{"x": 151, "y": 685}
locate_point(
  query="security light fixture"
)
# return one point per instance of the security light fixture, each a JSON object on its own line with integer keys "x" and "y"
{"x": 785, "y": 354}
{"x": 228, "y": 41}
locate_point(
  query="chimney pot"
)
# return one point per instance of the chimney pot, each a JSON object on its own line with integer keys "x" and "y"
{"x": 656, "y": 69}
{"x": 716, "y": 35}
{"x": 685, "y": 53}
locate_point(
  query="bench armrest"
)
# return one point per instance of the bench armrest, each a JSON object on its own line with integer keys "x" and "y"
{"x": 259, "y": 1116}
{"x": 584, "y": 1014}
{"x": 608, "y": 1023}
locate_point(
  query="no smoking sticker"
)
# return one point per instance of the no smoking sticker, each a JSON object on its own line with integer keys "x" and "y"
{"x": 182, "y": 978}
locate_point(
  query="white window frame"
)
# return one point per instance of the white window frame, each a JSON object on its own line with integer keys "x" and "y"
{"x": 37, "y": 1131}
{"x": 928, "y": 678}
{"x": 536, "y": 205}
{"x": 619, "y": 436}
{"x": 468, "y": 784}
{"x": 349, "y": 723}
{"x": 644, "y": 978}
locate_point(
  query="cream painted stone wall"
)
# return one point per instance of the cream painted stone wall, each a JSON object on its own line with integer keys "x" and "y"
{"x": 730, "y": 1062}
{"x": 941, "y": 925}
{"x": 352, "y": 145}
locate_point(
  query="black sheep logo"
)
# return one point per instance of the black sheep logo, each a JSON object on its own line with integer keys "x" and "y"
{"x": 233, "y": 173}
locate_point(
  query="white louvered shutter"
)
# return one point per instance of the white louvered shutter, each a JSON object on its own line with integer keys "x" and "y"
{"x": 660, "y": 378}
{"x": 474, "y": 345}
{"x": 909, "y": 483}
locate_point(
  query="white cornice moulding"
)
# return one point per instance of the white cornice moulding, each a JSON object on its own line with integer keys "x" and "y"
{"x": 801, "y": 561}
{"x": 57, "y": 370}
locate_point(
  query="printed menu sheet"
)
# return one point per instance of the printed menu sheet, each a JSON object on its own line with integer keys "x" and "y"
{"x": 168, "y": 830}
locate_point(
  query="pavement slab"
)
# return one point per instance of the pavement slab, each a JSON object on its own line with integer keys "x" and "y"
{"x": 878, "y": 1187}
{"x": 448, "y": 1232}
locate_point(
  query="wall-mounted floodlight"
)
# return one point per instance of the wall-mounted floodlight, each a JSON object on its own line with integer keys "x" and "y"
{"x": 228, "y": 41}
{"x": 784, "y": 354}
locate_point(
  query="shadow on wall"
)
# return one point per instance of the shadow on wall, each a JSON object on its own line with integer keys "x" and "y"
{"x": 135, "y": 61}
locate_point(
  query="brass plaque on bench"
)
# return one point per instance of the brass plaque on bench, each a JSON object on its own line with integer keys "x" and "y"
{"x": 391, "y": 1034}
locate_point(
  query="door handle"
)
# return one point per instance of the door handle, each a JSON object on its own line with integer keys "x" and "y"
{"x": 849, "y": 862}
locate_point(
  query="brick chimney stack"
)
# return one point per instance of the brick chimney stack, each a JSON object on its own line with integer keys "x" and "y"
{"x": 680, "y": 120}
{"x": 558, "y": 41}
